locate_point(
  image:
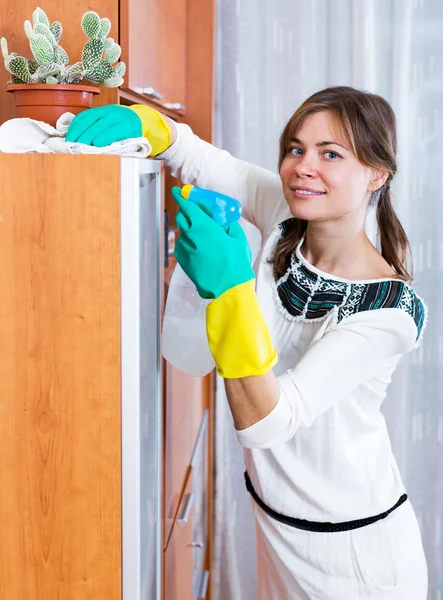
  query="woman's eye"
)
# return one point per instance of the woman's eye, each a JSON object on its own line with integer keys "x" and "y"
{"x": 332, "y": 155}
{"x": 295, "y": 151}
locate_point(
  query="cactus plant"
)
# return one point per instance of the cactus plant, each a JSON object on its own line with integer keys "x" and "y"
{"x": 50, "y": 62}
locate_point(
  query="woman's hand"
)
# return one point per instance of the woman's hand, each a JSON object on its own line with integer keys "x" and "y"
{"x": 219, "y": 263}
{"x": 214, "y": 259}
{"x": 104, "y": 125}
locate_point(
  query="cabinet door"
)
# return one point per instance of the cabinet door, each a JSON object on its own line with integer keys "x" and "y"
{"x": 200, "y": 537}
{"x": 60, "y": 373}
{"x": 184, "y": 407}
{"x": 153, "y": 40}
{"x": 173, "y": 25}
{"x": 179, "y": 553}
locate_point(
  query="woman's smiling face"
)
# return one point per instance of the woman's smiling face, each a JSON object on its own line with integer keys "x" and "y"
{"x": 321, "y": 178}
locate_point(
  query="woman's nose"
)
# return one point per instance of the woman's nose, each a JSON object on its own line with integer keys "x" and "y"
{"x": 305, "y": 166}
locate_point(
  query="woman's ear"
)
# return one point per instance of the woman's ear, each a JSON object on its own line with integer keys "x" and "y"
{"x": 377, "y": 180}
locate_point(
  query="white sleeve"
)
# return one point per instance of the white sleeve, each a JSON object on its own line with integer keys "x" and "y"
{"x": 259, "y": 191}
{"x": 351, "y": 353}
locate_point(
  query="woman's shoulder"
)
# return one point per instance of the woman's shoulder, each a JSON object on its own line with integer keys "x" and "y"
{"x": 385, "y": 302}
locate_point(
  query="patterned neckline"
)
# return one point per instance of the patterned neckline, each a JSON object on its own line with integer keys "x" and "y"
{"x": 305, "y": 293}
{"x": 329, "y": 276}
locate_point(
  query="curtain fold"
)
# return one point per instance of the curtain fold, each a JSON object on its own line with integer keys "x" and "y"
{"x": 271, "y": 55}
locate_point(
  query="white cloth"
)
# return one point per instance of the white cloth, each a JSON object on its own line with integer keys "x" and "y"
{"x": 29, "y": 135}
{"x": 323, "y": 453}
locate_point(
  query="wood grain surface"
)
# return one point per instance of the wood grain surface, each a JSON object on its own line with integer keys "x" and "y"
{"x": 60, "y": 456}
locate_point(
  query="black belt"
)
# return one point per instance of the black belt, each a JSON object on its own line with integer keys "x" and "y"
{"x": 314, "y": 525}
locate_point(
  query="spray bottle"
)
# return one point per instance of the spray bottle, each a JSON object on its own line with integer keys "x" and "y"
{"x": 184, "y": 339}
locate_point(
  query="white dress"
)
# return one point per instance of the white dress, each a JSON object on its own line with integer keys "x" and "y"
{"x": 323, "y": 454}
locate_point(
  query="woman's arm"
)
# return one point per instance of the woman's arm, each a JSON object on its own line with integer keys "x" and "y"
{"x": 172, "y": 126}
{"x": 268, "y": 410}
{"x": 195, "y": 161}
{"x": 251, "y": 399}
{"x": 188, "y": 157}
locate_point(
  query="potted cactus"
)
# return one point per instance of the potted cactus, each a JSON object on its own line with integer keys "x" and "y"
{"x": 46, "y": 86}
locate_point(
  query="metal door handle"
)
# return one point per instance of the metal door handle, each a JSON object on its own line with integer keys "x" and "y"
{"x": 197, "y": 545}
{"x": 203, "y": 585}
{"x": 149, "y": 91}
{"x": 174, "y": 106}
{"x": 186, "y": 509}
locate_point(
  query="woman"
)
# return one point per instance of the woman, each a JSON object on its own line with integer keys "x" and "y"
{"x": 333, "y": 520}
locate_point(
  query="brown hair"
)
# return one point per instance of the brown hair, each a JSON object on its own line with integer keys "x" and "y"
{"x": 368, "y": 122}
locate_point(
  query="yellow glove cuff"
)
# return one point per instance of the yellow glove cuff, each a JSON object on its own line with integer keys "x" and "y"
{"x": 154, "y": 128}
{"x": 237, "y": 334}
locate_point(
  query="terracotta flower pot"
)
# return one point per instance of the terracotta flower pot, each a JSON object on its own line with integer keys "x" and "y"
{"x": 47, "y": 102}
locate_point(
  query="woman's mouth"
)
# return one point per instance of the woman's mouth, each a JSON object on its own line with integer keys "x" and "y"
{"x": 304, "y": 193}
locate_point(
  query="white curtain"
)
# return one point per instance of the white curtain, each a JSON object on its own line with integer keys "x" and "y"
{"x": 271, "y": 55}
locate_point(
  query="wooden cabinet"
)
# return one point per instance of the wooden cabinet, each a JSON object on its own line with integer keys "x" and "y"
{"x": 185, "y": 403}
{"x": 173, "y": 57}
{"x": 186, "y": 553}
{"x": 178, "y": 554}
{"x": 153, "y": 40}
{"x": 80, "y": 377}
{"x": 168, "y": 45}
{"x": 188, "y": 448}
{"x": 200, "y": 529}
{"x": 139, "y": 39}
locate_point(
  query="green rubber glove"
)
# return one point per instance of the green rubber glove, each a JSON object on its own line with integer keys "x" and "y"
{"x": 104, "y": 125}
{"x": 214, "y": 259}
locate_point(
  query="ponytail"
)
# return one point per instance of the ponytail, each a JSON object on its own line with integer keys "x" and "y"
{"x": 394, "y": 243}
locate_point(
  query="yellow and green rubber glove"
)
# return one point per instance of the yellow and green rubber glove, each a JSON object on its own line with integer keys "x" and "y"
{"x": 104, "y": 125}
{"x": 219, "y": 264}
